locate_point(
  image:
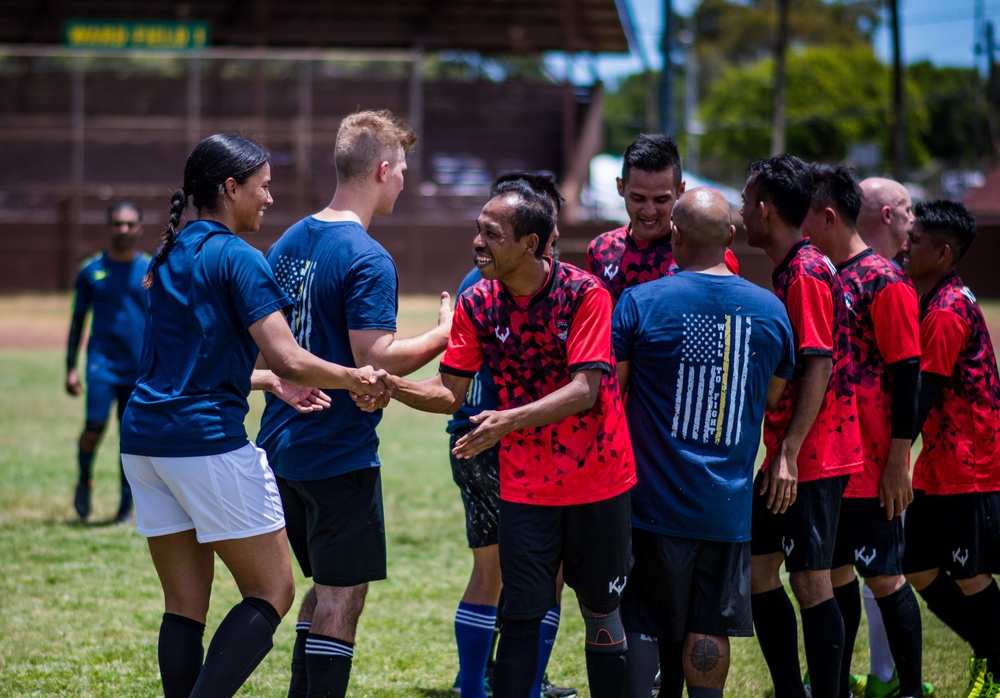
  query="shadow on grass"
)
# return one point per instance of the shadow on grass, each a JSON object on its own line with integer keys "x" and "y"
{"x": 435, "y": 692}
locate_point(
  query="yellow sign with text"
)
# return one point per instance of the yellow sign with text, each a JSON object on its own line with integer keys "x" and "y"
{"x": 151, "y": 36}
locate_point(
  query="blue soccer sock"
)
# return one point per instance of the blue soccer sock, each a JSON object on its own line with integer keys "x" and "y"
{"x": 546, "y": 639}
{"x": 474, "y": 624}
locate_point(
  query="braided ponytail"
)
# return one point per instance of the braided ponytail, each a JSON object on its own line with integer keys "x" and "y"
{"x": 178, "y": 202}
{"x": 210, "y": 164}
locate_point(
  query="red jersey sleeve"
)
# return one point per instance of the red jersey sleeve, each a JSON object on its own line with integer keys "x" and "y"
{"x": 464, "y": 354}
{"x": 589, "y": 341}
{"x": 732, "y": 264}
{"x": 810, "y": 308}
{"x": 897, "y": 329}
{"x": 942, "y": 336}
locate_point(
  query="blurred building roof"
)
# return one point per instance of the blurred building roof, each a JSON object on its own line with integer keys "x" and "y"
{"x": 984, "y": 201}
{"x": 482, "y": 25}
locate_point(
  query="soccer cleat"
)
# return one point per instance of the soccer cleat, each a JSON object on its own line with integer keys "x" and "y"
{"x": 876, "y": 688}
{"x": 979, "y": 680}
{"x": 555, "y": 691}
{"x": 81, "y": 502}
{"x": 991, "y": 689}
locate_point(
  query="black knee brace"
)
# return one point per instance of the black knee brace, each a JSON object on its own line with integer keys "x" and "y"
{"x": 604, "y": 631}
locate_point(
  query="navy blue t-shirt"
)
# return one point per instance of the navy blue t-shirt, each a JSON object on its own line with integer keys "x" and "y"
{"x": 702, "y": 350}
{"x": 482, "y": 393}
{"x": 339, "y": 279}
{"x": 113, "y": 290}
{"x": 197, "y": 358}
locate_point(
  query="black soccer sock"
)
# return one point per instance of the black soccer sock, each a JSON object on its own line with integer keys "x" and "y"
{"x": 777, "y": 633}
{"x": 328, "y": 660}
{"x": 640, "y": 669}
{"x": 901, "y": 616}
{"x": 671, "y": 668}
{"x": 945, "y": 599}
{"x": 848, "y": 599}
{"x": 517, "y": 658}
{"x": 298, "y": 686}
{"x": 180, "y": 650}
{"x": 823, "y": 632}
{"x": 86, "y": 463}
{"x": 241, "y": 641}
{"x": 986, "y": 607}
{"x": 701, "y": 692}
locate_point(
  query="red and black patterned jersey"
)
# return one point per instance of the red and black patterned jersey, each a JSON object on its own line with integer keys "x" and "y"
{"x": 882, "y": 316}
{"x": 620, "y": 262}
{"x": 533, "y": 346}
{"x": 807, "y": 283}
{"x": 961, "y": 451}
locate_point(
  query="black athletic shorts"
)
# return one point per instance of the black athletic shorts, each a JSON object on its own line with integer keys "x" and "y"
{"x": 592, "y": 541}
{"x": 867, "y": 540}
{"x": 806, "y": 532}
{"x": 336, "y": 527}
{"x": 478, "y": 479}
{"x": 683, "y": 585}
{"x": 959, "y": 533}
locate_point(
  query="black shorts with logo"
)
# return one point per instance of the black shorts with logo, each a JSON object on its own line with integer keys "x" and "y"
{"x": 959, "y": 533}
{"x": 592, "y": 541}
{"x": 807, "y": 531}
{"x": 478, "y": 480}
{"x": 867, "y": 540}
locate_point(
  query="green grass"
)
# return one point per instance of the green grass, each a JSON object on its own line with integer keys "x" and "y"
{"x": 80, "y": 604}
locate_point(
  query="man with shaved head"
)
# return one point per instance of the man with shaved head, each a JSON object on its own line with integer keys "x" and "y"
{"x": 699, "y": 352}
{"x": 886, "y": 215}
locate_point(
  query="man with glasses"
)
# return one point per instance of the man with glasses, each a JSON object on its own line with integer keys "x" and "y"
{"x": 109, "y": 286}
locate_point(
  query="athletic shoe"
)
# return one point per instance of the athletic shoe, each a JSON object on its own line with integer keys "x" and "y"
{"x": 554, "y": 691}
{"x": 876, "y": 688}
{"x": 979, "y": 679}
{"x": 81, "y": 502}
{"x": 855, "y": 683}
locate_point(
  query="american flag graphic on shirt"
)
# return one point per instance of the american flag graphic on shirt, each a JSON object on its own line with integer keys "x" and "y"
{"x": 711, "y": 379}
{"x": 295, "y": 276}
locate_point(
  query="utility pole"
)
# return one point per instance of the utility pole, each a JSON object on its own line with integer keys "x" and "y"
{"x": 668, "y": 122}
{"x": 898, "y": 107}
{"x": 778, "y": 106}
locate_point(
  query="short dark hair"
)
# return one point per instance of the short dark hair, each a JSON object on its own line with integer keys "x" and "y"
{"x": 123, "y": 206}
{"x": 543, "y": 183}
{"x": 835, "y": 186}
{"x": 533, "y": 214}
{"x": 947, "y": 220}
{"x": 785, "y": 182}
{"x": 652, "y": 152}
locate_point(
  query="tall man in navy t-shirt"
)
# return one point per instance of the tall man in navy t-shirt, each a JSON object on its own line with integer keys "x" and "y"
{"x": 345, "y": 290}
{"x": 699, "y": 353}
{"x": 110, "y": 285}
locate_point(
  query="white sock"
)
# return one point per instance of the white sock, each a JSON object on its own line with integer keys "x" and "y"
{"x": 879, "y": 656}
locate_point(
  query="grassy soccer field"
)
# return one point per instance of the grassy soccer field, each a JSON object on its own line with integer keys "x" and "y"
{"x": 80, "y": 604}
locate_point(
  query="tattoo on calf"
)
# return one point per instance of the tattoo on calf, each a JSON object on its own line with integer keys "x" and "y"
{"x": 705, "y": 656}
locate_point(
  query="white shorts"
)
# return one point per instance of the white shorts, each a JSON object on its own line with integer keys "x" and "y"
{"x": 232, "y": 495}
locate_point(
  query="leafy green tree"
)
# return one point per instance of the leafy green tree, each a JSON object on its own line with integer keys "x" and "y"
{"x": 955, "y": 130}
{"x": 835, "y": 98}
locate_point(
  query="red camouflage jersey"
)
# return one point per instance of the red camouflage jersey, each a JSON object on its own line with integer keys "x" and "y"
{"x": 807, "y": 283}
{"x": 961, "y": 451}
{"x": 533, "y": 346}
{"x": 620, "y": 263}
{"x": 882, "y": 313}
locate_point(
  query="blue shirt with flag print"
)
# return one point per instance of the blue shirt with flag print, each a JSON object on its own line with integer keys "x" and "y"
{"x": 339, "y": 279}
{"x": 198, "y": 355}
{"x": 701, "y": 350}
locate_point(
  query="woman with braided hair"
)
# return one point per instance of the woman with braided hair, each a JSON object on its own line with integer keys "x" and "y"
{"x": 201, "y": 487}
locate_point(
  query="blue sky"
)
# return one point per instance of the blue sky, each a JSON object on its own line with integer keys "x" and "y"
{"x": 940, "y": 32}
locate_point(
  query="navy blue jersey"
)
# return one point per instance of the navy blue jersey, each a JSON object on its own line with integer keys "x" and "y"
{"x": 198, "y": 355}
{"x": 112, "y": 292}
{"x": 339, "y": 279}
{"x": 482, "y": 393}
{"x": 701, "y": 352}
